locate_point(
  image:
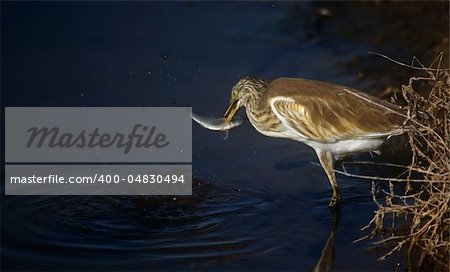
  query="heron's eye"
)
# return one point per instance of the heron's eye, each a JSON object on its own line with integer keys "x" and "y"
{"x": 234, "y": 93}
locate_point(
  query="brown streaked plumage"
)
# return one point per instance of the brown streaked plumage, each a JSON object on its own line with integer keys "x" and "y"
{"x": 332, "y": 119}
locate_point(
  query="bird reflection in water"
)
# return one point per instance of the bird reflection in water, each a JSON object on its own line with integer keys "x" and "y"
{"x": 326, "y": 260}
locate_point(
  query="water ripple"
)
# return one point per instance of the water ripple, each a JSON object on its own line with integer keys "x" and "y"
{"x": 206, "y": 225}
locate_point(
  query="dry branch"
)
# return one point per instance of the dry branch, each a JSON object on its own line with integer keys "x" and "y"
{"x": 418, "y": 222}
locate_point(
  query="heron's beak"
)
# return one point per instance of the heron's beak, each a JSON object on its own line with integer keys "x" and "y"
{"x": 232, "y": 108}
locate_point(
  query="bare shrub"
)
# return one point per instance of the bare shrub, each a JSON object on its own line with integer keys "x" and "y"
{"x": 417, "y": 221}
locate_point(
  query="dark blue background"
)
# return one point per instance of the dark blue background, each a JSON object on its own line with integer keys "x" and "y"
{"x": 258, "y": 204}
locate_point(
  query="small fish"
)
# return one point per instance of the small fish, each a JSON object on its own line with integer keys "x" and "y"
{"x": 220, "y": 124}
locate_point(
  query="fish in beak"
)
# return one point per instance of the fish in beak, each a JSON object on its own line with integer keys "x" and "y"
{"x": 220, "y": 124}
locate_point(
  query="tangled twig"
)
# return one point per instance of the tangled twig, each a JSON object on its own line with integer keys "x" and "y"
{"x": 419, "y": 222}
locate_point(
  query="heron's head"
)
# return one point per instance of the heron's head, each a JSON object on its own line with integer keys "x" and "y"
{"x": 245, "y": 92}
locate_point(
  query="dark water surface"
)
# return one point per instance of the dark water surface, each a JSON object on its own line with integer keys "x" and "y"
{"x": 258, "y": 203}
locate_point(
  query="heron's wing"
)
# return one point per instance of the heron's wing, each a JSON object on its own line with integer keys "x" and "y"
{"x": 329, "y": 120}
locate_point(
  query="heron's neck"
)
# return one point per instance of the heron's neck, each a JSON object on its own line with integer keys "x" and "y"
{"x": 252, "y": 100}
{"x": 261, "y": 117}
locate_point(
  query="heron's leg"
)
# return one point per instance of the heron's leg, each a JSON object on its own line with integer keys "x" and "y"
{"x": 326, "y": 160}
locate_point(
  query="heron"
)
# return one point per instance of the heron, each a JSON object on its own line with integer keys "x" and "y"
{"x": 334, "y": 120}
